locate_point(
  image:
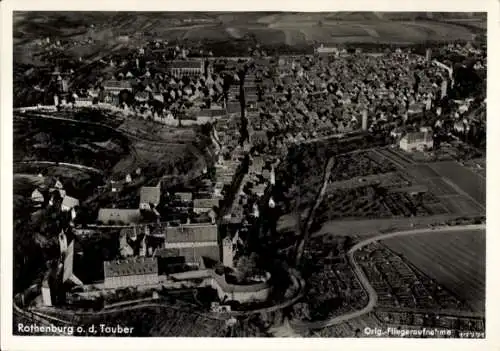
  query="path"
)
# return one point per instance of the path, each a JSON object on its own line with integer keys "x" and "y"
{"x": 300, "y": 326}
{"x": 310, "y": 217}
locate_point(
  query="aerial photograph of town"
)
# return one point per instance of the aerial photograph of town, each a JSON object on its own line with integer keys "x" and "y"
{"x": 249, "y": 174}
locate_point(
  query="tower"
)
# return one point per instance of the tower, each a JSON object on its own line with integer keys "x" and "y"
{"x": 142, "y": 248}
{"x": 271, "y": 203}
{"x": 364, "y": 121}
{"x": 63, "y": 242}
{"x": 444, "y": 88}
{"x": 255, "y": 210}
{"x": 428, "y": 54}
{"x": 227, "y": 252}
{"x": 46, "y": 293}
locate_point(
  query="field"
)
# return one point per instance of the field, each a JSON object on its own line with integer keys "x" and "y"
{"x": 359, "y": 164}
{"x": 399, "y": 285}
{"x": 455, "y": 260}
{"x": 268, "y": 29}
{"x": 471, "y": 183}
{"x": 332, "y": 287}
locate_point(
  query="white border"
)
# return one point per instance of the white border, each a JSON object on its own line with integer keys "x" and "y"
{"x": 9, "y": 342}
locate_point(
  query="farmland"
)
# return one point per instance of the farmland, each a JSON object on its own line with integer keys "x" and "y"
{"x": 332, "y": 287}
{"x": 358, "y": 165}
{"x": 454, "y": 260}
{"x": 269, "y": 29}
{"x": 398, "y": 284}
{"x": 471, "y": 183}
{"x": 379, "y": 321}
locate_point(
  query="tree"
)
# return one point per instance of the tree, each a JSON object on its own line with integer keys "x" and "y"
{"x": 125, "y": 96}
{"x": 302, "y": 311}
{"x": 247, "y": 266}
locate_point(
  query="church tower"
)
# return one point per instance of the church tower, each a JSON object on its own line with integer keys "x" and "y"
{"x": 227, "y": 252}
{"x": 63, "y": 242}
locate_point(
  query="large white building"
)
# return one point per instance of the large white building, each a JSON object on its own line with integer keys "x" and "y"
{"x": 416, "y": 141}
{"x": 130, "y": 272}
{"x": 190, "y": 68}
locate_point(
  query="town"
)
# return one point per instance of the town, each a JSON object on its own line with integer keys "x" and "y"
{"x": 179, "y": 191}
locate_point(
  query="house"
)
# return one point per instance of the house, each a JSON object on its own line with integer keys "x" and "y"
{"x": 184, "y": 197}
{"x": 190, "y": 242}
{"x": 68, "y": 203}
{"x": 130, "y": 272}
{"x": 205, "y": 205}
{"x": 115, "y": 86}
{"x": 191, "y": 233}
{"x": 257, "y": 165}
{"x": 416, "y": 141}
{"x": 150, "y": 195}
{"x": 259, "y": 189}
{"x": 37, "y": 197}
{"x": 181, "y": 68}
{"x": 142, "y": 96}
{"x": 119, "y": 216}
{"x": 83, "y": 101}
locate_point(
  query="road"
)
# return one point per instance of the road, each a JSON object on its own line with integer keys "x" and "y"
{"x": 372, "y": 302}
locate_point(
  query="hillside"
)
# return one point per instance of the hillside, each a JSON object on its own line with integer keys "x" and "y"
{"x": 268, "y": 28}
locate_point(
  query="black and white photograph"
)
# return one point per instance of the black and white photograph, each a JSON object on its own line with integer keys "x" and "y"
{"x": 249, "y": 174}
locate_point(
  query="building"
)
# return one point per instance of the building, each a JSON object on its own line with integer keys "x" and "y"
{"x": 115, "y": 86}
{"x": 184, "y": 197}
{"x": 205, "y": 205}
{"x": 130, "y": 272}
{"x": 227, "y": 252}
{"x": 150, "y": 195}
{"x": 119, "y": 216}
{"x": 67, "y": 249}
{"x": 327, "y": 51}
{"x": 83, "y": 101}
{"x": 416, "y": 141}
{"x": 46, "y": 293}
{"x": 207, "y": 115}
{"x": 444, "y": 88}
{"x": 68, "y": 203}
{"x": 428, "y": 55}
{"x": 142, "y": 96}
{"x": 364, "y": 121}
{"x": 189, "y": 242}
{"x": 37, "y": 198}
{"x": 190, "y": 68}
